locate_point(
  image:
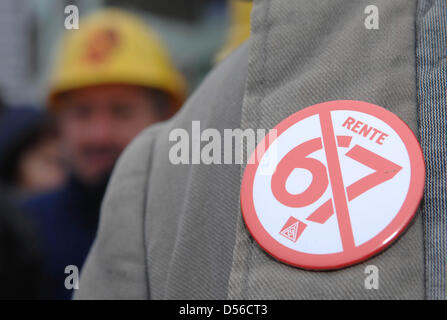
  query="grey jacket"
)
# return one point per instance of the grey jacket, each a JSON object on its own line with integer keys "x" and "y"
{"x": 176, "y": 231}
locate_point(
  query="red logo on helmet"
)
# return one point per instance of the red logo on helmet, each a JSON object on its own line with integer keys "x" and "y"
{"x": 100, "y": 45}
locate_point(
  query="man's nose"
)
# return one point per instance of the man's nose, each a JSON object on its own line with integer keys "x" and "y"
{"x": 101, "y": 129}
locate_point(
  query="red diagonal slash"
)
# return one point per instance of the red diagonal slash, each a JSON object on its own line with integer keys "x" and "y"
{"x": 336, "y": 180}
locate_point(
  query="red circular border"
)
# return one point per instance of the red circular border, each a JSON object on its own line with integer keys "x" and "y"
{"x": 372, "y": 246}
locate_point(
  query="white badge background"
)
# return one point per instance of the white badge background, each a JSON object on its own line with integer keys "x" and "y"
{"x": 370, "y": 212}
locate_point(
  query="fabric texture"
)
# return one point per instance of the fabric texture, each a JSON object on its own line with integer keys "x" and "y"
{"x": 307, "y": 52}
{"x": 432, "y": 87}
{"x": 176, "y": 232}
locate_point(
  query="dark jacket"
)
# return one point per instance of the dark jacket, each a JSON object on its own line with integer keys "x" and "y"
{"x": 20, "y": 258}
{"x": 66, "y": 220}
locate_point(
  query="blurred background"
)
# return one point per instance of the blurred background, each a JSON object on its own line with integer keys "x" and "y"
{"x": 193, "y": 30}
{"x": 60, "y": 135}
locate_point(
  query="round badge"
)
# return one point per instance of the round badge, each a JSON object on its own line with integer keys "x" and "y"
{"x": 332, "y": 185}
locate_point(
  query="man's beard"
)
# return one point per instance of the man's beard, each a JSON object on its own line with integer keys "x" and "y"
{"x": 106, "y": 155}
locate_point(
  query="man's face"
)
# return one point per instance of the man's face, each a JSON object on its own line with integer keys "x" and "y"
{"x": 98, "y": 122}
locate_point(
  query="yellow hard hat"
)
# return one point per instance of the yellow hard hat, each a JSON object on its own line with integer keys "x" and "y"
{"x": 239, "y": 30}
{"x": 114, "y": 47}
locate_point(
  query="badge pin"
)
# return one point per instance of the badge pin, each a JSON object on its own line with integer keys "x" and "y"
{"x": 348, "y": 178}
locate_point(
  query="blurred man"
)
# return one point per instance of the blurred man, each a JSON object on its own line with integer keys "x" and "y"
{"x": 111, "y": 79}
